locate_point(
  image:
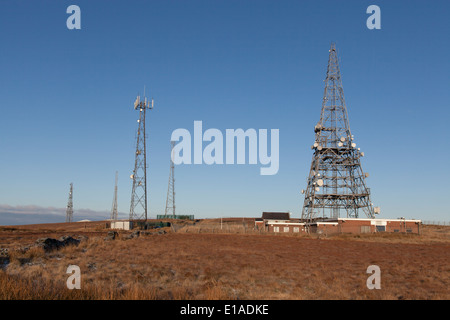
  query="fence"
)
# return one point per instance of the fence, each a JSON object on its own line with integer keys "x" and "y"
{"x": 436, "y": 223}
{"x": 228, "y": 227}
{"x": 236, "y": 226}
{"x": 177, "y": 216}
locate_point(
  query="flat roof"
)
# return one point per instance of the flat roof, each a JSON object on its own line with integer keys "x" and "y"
{"x": 276, "y": 215}
{"x": 368, "y": 219}
{"x": 325, "y": 222}
{"x": 286, "y": 223}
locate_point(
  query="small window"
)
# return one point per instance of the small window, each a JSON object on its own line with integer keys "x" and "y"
{"x": 276, "y": 229}
{"x": 286, "y": 229}
{"x": 381, "y": 228}
{"x": 296, "y": 229}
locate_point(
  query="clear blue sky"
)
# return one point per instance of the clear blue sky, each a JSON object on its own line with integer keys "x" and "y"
{"x": 66, "y": 99}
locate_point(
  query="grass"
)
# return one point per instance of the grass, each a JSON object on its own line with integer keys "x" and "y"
{"x": 220, "y": 266}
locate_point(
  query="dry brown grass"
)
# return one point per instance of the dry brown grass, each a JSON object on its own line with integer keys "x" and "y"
{"x": 236, "y": 266}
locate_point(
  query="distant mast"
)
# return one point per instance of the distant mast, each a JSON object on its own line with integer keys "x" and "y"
{"x": 170, "y": 200}
{"x": 69, "y": 210}
{"x": 114, "y": 211}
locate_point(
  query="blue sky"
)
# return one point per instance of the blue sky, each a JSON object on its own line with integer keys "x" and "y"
{"x": 66, "y": 100}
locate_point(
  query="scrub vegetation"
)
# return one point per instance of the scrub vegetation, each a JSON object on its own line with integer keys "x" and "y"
{"x": 193, "y": 264}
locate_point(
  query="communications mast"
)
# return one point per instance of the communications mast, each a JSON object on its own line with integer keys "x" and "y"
{"x": 336, "y": 185}
{"x": 138, "y": 206}
{"x": 69, "y": 210}
{"x": 170, "y": 200}
{"x": 114, "y": 210}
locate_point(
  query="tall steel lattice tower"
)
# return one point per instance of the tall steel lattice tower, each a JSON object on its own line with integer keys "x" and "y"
{"x": 336, "y": 184}
{"x": 69, "y": 210}
{"x": 170, "y": 201}
{"x": 138, "y": 207}
{"x": 114, "y": 210}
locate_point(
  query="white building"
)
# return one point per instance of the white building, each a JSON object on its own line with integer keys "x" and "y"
{"x": 122, "y": 224}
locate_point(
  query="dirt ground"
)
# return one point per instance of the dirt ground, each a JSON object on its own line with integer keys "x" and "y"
{"x": 247, "y": 266}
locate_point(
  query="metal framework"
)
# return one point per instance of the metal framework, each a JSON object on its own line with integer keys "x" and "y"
{"x": 138, "y": 206}
{"x": 114, "y": 210}
{"x": 170, "y": 200}
{"x": 69, "y": 210}
{"x": 336, "y": 183}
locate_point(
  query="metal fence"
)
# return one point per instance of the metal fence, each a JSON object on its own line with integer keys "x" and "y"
{"x": 436, "y": 223}
{"x": 177, "y": 216}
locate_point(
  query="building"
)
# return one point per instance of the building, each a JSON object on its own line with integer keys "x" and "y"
{"x": 122, "y": 224}
{"x": 279, "y": 222}
{"x": 359, "y": 225}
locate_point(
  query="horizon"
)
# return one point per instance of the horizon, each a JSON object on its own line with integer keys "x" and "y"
{"x": 67, "y": 102}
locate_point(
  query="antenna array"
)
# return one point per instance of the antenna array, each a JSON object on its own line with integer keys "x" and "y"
{"x": 336, "y": 181}
{"x": 138, "y": 206}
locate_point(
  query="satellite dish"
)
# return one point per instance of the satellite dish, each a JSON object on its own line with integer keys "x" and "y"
{"x": 353, "y": 145}
{"x": 318, "y": 127}
{"x": 319, "y": 148}
{"x": 366, "y": 174}
{"x": 340, "y": 144}
{"x": 131, "y": 176}
{"x": 317, "y": 188}
{"x": 320, "y": 182}
{"x": 342, "y": 139}
{"x": 316, "y": 145}
{"x": 362, "y": 154}
{"x": 303, "y": 191}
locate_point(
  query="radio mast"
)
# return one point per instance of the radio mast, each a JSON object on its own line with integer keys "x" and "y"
{"x": 138, "y": 207}
{"x": 69, "y": 210}
{"x": 336, "y": 184}
{"x": 114, "y": 211}
{"x": 170, "y": 201}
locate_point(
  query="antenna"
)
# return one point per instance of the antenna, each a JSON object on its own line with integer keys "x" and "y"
{"x": 114, "y": 211}
{"x": 336, "y": 160}
{"x": 170, "y": 201}
{"x": 69, "y": 210}
{"x": 138, "y": 206}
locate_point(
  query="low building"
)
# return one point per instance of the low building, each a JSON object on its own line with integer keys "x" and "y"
{"x": 360, "y": 225}
{"x": 278, "y": 222}
{"x": 281, "y": 222}
{"x": 323, "y": 227}
{"x": 285, "y": 226}
{"x": 122, "y": 224}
